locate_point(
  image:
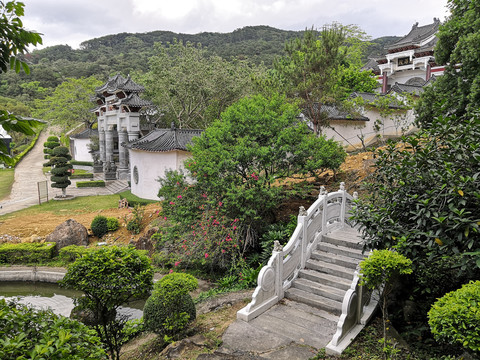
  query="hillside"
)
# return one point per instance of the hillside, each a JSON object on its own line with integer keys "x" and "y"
{"x": 128, "y": 53}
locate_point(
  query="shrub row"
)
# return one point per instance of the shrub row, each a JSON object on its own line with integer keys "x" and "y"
{"x": 81, "y": 176}
{"x": 72, "y": 252}
{"x": 95, "y": 183}
{"x": 82, "y": 163}
{"x": 20, "y": 156}
{"x": 26, "y": 253}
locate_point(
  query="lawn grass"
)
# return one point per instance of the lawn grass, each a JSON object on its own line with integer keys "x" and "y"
{"x": 6, "y": 181}
{"x": 81, "y": 204}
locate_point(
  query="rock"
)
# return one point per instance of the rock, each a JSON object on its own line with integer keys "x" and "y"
{"x": 35, "y": 238}
{"x": 144, "y": 242}
{"x": 177, "y": 349}
{"x": 68, "y": 233}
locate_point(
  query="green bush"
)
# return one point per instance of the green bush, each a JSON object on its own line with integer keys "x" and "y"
{"x": 95, "y": 183}
{"x": 81, "y": 163}
{"x": 53, "y": 138}
{"x": 71, "y": 253}
{"x": 170, "y": 308}
{"x": 81, "y": 176}
{"x": 28, "y": 333}
{"x": 25, "y": 152}
{"x": 99, "y": 226}
{"x": 133, "y": 227}
{"x": 455, "y": 317}
{"x": 26, "y": 253}
{"x": 112, "y": 224}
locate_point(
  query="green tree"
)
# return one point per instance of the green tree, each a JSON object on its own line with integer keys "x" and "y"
{"x": 321, "y": 69}
{"x": 60, "y": 168}
{"x": 26, "y": 333}
{"x": 241, "y": 159}
{"x": 457, "y": 92}
{"x": 192, "y": 88}
{"x": 110, "y": 277}
{"x": 14, "y": 40}
{"x": 379, "y": 272}
{"x": 69, "y": 104}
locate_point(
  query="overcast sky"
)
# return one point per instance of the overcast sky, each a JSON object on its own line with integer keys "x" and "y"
{"x": 73, "y": 21}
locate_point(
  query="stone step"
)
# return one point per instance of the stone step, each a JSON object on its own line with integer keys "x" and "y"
{"x": 329, "y": 268}
{"x": 340, "y": 250}
{"x": 319, "y": 289}
{"x": 341, "y": 260}
{"x": 325, "y": 279}
{"x": 344, "y": 238}
{"x": 319, "y": 302}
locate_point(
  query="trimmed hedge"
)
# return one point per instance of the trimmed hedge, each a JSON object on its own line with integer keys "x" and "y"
{"x": 99, "y": 226}
{"x": 455, "y": 317}
{"x": 135, "y": 200}
{"x": 81, "y": 163}
{"x": 81, "y": 176}
{"x": 94, "y": 183}
{"x": 26, "y": 253}
{"x": 72, "y": 252}
{"x": 20, "y": 156}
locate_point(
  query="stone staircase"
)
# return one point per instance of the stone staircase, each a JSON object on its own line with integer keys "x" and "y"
{"x": 329, "y": 272}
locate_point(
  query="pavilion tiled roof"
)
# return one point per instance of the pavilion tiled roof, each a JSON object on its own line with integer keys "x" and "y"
{"x": 85, "y": 134}
{"x": 162, "y": 140}
{"x": 416, "y": 35}
{"x": 405, "y": 88}
{"x": 371, "y": 98}
{"x": 133, "y": 100}
{"x": 118, "y": 82}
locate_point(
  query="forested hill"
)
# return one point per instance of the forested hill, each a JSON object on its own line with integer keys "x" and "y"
{"x": 128, "y": 53}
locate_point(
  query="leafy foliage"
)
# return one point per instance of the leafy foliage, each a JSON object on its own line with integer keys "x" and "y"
{"x": 192, "y": 88}
{"x": 99, "y": 226}
{"x": 424, "y": 194}
{"x": 70, "y": 103}
{"x": 170, "y": 308}
{"x": 60, "y": 172}
{"x": 454, "y": 318}
{"x": 112, "y": 224}
{"x": 26, "y": 253}
{"x": 28, "y": 333}
{"x": 240, "y": 159}
{"x": 110, "y": 277}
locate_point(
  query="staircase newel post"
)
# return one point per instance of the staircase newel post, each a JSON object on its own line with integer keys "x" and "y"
{"x": 302, "y": 215}
{"x": 324, "y": 193}
{"x": 278, "y": 253}
{"x": 343, "y": 205}
{"x": 359, "y": 303}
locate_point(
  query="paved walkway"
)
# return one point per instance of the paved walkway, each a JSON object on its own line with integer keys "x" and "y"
{"x": 29, "y": 171}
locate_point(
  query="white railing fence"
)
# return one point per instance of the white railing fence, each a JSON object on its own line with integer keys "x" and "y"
{"x": 328, "y": 213}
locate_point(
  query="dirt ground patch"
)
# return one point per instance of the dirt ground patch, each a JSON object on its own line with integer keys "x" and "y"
{"x": 33, "y": 226}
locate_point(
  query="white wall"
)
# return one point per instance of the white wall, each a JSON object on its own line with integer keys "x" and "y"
{"x": 349, "y": 132}
{"x": 151, "y": 166}
{"x": 81, "y": 150}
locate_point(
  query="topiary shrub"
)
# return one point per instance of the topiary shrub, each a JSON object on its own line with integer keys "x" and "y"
{"x": 93, "y": 183}
{"x": 99, "y": 226}
{"x": 112, "y": 224}
{"x": 71, "y": 253}
{"x": 455, "y": 317}
{"x": 170, "y": 308}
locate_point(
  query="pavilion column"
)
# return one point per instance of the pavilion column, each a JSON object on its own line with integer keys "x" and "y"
{"x": 385, "y": 83}
{"x": 101, "y": 143}
{"x": 123, "y": 155}
{"x": 109, "y": 144}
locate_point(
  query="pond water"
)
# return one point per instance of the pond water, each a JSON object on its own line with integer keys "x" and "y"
{"x": 51, "y": 296}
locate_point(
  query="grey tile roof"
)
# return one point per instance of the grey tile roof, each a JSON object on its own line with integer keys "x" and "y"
{"x": 416, "y": 35}
{"x": 161, "y": 140}
{"x": 118, "y": 82}
{"x": 332, "y": 112}
{"x": 371, "y": 98}
{"x": 371, "y": 65}
{"x": 405, "y": 88}
{"x": 85, "y": 134}
{"x": 133, "y": 100}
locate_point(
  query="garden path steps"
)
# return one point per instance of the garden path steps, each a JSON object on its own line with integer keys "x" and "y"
{"x": 306, "y": 319}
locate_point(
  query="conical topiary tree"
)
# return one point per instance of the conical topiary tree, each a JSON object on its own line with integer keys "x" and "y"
{"x": 51, "y": 143}
{"x": 60, "y": 167}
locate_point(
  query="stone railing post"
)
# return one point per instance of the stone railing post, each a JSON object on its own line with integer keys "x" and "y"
{"x": 324, "y": 193}
{"x": 343, "y": 205}
{"x": 302, "y": 216}
{"x": 278, "y": 253}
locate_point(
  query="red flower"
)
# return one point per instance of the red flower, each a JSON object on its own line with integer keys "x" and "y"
{"x": 206, "y": 255}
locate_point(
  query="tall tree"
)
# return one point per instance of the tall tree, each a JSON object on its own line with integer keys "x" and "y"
{"x": 192, "y": 88}
{"x": 70, "y": 103}
{"x": 322, "y": 68}
{"x": 14, "y": 40}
